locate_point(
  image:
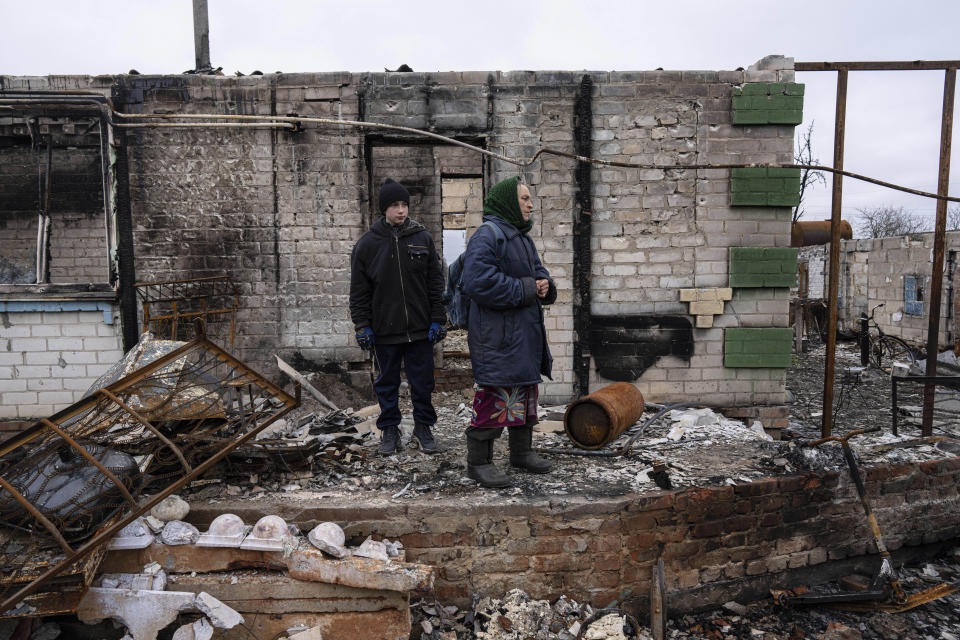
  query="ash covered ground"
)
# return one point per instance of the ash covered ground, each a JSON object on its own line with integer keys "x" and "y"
{"x": 696, "y": 446}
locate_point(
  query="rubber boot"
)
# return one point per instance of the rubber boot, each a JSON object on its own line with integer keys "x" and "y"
{"x": 423, "y": 435}
{"x": 480, "y": 464}
{"x": 521, "y": 451}
{"x": 390, "y": 440}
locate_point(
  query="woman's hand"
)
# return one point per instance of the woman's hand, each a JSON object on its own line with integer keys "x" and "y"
{"x": 543, "y": 287}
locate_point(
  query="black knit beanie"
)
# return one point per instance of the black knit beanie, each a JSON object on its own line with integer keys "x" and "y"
{"x": 392, "y": 191}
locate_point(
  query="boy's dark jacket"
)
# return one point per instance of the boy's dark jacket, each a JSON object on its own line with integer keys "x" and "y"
{"x": 396, "y": 282}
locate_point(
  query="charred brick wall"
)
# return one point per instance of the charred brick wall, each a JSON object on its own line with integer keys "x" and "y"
{"x": 280, "y": 211}
{"x": 718, "y": 544}
{"x": 78, "y": 241}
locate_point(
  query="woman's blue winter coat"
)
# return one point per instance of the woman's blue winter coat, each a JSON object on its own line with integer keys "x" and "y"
{"x": 508, "y": 342}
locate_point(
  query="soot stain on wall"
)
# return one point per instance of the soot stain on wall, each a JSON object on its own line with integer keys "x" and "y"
{"x": 623, "y": 347}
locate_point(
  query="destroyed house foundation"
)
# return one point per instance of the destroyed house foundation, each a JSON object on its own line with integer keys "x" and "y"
{"x": 718, "y": 544}
{"x": 674, "y": 280}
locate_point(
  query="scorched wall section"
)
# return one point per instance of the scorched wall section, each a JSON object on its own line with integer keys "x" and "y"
{"x": 280, "y": 210}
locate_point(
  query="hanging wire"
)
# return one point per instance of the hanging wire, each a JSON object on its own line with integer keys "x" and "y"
{"x": 296, "y": 120}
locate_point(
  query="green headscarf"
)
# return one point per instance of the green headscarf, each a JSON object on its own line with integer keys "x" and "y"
{"x": 502, "y": 202}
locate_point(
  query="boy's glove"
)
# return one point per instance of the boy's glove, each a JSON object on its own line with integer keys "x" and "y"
{"x": 365, "y": 338}
{"x": 436, "y": 332}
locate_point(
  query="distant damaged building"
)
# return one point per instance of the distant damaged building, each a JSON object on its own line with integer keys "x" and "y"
{"x": 676, "y": 280}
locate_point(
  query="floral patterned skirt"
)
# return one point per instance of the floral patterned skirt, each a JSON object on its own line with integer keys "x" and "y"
{"x": 495, "y": 407}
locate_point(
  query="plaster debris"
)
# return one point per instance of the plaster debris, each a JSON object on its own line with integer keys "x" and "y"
{"x": 198, "y": 630}
{"x": 372, "y": 549}
{"x": 393, "y": 548}
{"x": 312, "y": 633}
{"x": 178, "y": 532}
{"x": 609, "y": 627}
{"x": 135, "y": 535}
{"x": 155, "y": 524}
{"x": 172, "y": 507}
{"x": 329, "y": 538}
{"x": 156, "y": 581}
{"x": 221, "y": 616}
{"x": 143, "y": 613}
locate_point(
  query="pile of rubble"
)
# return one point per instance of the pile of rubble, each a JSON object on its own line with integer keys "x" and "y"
{"x": 936, "y": 620}
{"x": 517, "y": 617}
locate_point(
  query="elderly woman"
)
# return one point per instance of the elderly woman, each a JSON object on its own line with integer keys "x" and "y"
{"x": 508, "y": 286}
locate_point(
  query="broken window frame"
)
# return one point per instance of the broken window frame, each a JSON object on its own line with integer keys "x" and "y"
{"x": 913, "y": 298}
{"x": 32, "y": 106}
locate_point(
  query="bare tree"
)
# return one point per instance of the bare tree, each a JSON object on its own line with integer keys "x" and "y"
{"x": 886, "y": 221}
{"x": 808, "y": 177}
{"x": 953, "y": 218}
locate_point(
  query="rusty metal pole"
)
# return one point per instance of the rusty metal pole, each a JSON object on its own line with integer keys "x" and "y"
{"x": 936, "y": 282}
{"x": 201, "y": 34}
{"x": 839, "y": 129}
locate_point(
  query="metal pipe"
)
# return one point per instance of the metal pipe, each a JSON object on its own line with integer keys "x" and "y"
{"x": 886, "y": 569}
{"x": 534, "y": 157}
{"x": 834, "y": 282}
{"x": 804, "y": 233}
{"x": 939, "y": 240}
{"x": 43, "y": 221}
{"x": 597, "y": 419}
{"x": 205, "y": 125}
{"x": 911, "y": 65}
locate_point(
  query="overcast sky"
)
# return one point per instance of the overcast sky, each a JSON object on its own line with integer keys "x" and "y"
{"x": 893, "y": 118}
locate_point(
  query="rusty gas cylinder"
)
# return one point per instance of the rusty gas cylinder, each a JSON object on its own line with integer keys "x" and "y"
{"x": 597, "y": 419}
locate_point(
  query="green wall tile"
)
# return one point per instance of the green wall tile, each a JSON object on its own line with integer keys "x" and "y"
{"x": 758, "y": 348}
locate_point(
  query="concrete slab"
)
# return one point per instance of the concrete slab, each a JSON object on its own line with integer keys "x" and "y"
{"x": 306, "y": 564}
{"x": 143, "y": 613}
{"x": 389, "y": 624}
{"x": 268, "y": 592}
{"x": 311, "y": 565}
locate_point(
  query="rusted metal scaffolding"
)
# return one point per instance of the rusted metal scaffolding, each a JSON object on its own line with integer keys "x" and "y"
{"x": 72, "y": 481}
{"x": 946, "y": 132}
{"x": 169, "y": 307}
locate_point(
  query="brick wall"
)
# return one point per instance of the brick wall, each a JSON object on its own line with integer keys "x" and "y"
{"x": 18, "y": 239}
{"x": 50, "y": 354}
{"x": 873, "y": 271}
{"x": 718, "y": 544}
{"x": 281, "y": 211}
{"x": 816, "y": 258}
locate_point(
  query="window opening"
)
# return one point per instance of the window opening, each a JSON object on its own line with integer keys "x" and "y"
{"x": 913, "y": 295}
{"x": 462, "y": 209}
{"x": 52, "y": 215}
